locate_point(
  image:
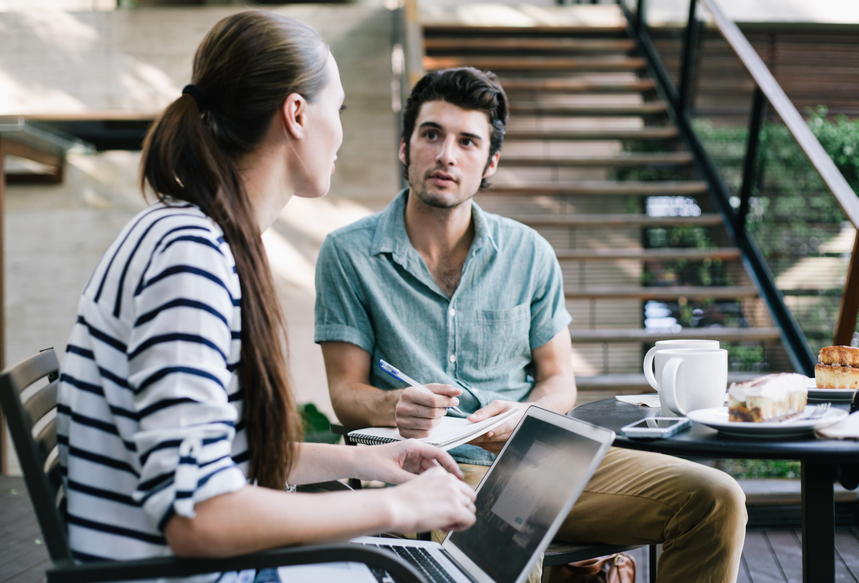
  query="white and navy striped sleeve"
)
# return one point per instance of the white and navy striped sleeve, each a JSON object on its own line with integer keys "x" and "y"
{"x": 180, "y": 375}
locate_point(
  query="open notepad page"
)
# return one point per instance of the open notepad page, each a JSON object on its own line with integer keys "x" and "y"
{"x": 452, "y": 432}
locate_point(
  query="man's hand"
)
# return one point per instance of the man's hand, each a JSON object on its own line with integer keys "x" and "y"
{"x": 401, "y": 461}
{"x": 418, "y": 412}
{"x": 495, "y": 439}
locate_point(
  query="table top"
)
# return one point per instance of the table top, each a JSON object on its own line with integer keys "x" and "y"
{"x": 703, "y": 441}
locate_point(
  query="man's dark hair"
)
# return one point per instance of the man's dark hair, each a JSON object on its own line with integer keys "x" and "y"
{"x": 467, "y": 88}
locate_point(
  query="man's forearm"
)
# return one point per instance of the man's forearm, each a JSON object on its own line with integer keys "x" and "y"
{"x": 556, "y": 393}
{"x": 360, "y": 405}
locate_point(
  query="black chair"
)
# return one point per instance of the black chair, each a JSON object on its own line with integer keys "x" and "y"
{"x": 38, "y": 455}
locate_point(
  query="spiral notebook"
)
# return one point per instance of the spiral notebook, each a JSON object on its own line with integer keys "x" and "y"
{"x": 452, "y": 432}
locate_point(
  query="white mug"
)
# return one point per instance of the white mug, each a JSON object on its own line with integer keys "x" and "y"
{"x": 669, "y": 345}
{"x": 692, "y": 379}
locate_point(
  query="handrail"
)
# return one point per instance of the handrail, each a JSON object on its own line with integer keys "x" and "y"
{"x": 793, "y": 338}
{"x": 779, "y": 101}
{"x": 414, "y": 46}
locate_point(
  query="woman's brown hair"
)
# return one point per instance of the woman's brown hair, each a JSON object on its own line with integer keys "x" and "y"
{"x": 245, "y": 68}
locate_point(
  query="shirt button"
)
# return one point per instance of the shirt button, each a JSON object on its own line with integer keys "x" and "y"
{"x": 453, "y": 358}
{"x": 452, "y": 312}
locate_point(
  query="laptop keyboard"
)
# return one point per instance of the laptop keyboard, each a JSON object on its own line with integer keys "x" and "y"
{"x": 423, "y": 560}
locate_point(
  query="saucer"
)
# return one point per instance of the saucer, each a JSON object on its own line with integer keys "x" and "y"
{"x": 832, "y": 395}
{"x": 717, "y": 418}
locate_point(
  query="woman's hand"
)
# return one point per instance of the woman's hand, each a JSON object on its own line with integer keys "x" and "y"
{"x": 435, "y": 500}
{"x": 401, "y": 461}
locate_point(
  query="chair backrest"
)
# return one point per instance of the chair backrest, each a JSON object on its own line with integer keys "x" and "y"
{"x": 38, "y": 453}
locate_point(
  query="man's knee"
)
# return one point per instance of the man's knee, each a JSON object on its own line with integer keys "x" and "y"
{"x": 716, "y": 496}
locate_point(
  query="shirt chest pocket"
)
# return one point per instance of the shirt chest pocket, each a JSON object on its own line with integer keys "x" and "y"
{"x": 503, "y": 335}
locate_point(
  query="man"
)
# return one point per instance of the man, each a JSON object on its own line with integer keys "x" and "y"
{"x": 449, "y": 293}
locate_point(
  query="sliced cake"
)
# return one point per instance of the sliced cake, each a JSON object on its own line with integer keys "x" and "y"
{"x": 837, "y": 368}
{"x": 772, "y": 397}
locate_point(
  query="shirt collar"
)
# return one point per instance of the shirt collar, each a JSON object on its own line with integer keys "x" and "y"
{"x": 391, "y": 236}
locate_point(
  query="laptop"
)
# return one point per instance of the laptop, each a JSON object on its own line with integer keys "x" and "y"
{"x": 521, "y": 503}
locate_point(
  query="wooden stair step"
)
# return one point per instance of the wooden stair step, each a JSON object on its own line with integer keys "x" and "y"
{"x": 616, "y": 219}
{"x": 642, "y": 335}
{"x": 657, "y": 293}
{"x": 638, "y": 109}
{"x": 650, "y": 133}
{"x": 512, "y": 86}
{"x": 632, "y": 383}
{"x": 596, "y": 45}
{"x": 496, "y": 64}
{"x": 621, "y": 159}
{"x": 601, "y": 188}
{"x": 471, "y": 30}
{"x": 723, "y": 253}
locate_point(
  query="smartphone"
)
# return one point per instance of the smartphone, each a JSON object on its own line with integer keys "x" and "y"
{"x": 656, "y": 427}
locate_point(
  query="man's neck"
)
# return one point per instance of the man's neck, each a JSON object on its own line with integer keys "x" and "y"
{"x": 442, "y": 237}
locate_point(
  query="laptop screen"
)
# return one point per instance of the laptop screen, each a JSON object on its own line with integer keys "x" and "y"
{"x": 522, "y": 495}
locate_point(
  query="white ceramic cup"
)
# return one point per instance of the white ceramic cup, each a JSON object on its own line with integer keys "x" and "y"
{"x": 670, "y": 345}
{"x": 692, "y": 379}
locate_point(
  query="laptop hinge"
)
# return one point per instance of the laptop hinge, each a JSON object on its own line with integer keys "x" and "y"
{"x": 458, "y": 565}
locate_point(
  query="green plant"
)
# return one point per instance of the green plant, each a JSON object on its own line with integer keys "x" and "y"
{"x": 752, "y": 469}
{"x": 315, "y": 424}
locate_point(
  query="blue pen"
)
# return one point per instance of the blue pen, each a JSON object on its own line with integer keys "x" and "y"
{"x": 398, "y": 374}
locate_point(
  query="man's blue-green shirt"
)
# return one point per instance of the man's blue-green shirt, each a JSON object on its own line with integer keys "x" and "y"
{"x": 374, "y": 290}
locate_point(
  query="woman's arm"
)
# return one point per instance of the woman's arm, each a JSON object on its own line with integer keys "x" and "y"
{"x": 394, "y": 463}
{"x": 253, "y": 518}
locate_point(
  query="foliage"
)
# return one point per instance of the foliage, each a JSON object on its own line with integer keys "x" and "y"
{"x": 751, "y": 469}
{"x": 316, "y": 426}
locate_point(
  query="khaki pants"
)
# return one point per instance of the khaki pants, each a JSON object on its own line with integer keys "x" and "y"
{"x": 697, "y": 513}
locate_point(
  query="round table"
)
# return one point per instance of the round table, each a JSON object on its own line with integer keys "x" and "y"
{"x": 821, "y": 460}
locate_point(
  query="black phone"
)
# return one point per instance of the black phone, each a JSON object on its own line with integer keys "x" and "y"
{"x": 854, "y": 406}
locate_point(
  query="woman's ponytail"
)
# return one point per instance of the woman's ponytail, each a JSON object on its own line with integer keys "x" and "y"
{"x": 243, "y": 71}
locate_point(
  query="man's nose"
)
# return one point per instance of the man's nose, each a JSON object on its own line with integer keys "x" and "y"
{"x": 447, "y": 151}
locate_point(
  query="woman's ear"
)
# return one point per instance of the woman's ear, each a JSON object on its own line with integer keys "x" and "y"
{"x": 294, "y": 113}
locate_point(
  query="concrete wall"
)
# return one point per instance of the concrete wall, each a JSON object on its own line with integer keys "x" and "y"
{"x": 139, "y": 61}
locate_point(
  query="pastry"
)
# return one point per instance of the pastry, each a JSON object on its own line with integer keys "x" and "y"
{"x": 772, "y": 397}
{"x": 837, "y": 368}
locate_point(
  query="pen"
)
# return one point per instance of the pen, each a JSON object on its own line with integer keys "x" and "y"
{"x": 398, "y": 374}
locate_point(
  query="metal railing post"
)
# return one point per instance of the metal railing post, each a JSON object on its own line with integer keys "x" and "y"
{"x": 641, "y": 16}
{"x": 750, "y": 167}
{"x": 690, "y": 45}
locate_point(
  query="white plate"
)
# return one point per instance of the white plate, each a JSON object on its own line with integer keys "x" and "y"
{"x": 834, "y": 395}
{"x": 717, "y": 418}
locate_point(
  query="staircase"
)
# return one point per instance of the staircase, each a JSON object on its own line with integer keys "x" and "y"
{"x": 593, "y": 162}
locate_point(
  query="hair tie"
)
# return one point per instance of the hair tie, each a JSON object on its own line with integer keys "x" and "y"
{"x": 197, "y": 94}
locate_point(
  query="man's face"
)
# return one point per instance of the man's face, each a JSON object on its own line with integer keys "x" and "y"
{"x": 448, "y": 154}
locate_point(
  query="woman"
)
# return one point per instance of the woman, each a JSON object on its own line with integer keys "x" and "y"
{"x": 177, "y": 425}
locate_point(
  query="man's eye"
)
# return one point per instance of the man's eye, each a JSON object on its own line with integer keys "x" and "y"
{"x": 467, "y": 142}
{"x": 342, "y": 109}
{"x": 431, "y": 135}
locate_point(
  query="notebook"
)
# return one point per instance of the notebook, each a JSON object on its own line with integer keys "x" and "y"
{"x": 521, "y": 503}
{"x": 452, "y": 432}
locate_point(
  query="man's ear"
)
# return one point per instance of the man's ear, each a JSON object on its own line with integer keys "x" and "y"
{"x": 294, "y": 113}
{"x": 402, "y": 154}
{"x": 493, "y": 165}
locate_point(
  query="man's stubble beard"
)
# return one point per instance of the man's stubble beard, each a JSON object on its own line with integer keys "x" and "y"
{"x": 417, "y": 187}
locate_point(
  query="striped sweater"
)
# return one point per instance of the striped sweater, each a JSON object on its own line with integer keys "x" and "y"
{"x": 150, "y": 408}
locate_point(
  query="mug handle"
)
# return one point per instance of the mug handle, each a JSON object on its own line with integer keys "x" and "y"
{"x": 648, "y": 368}
{"x": 669, "y": 384}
